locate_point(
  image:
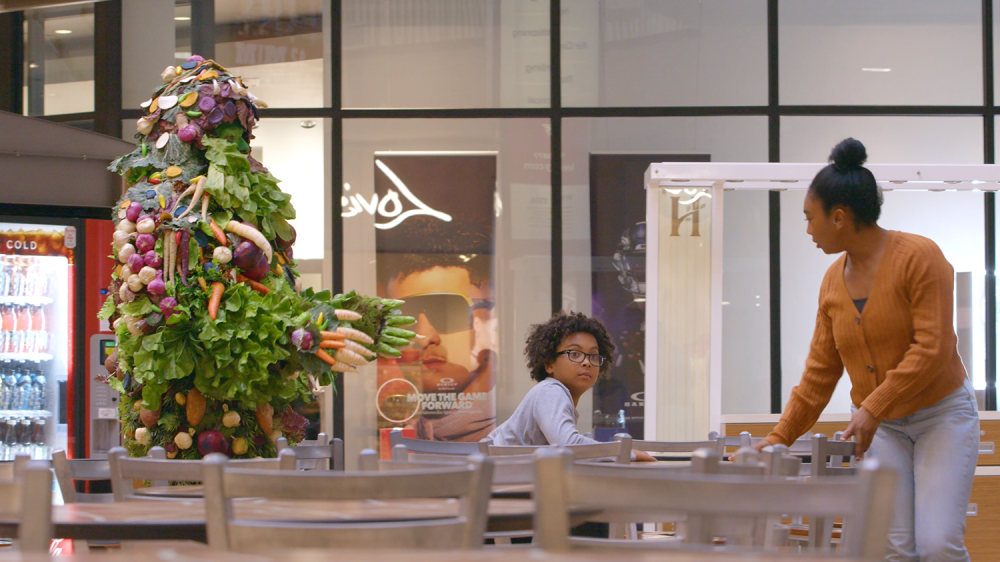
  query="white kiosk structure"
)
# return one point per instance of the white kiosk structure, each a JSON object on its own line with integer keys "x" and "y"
{"x": 685, "y": 203}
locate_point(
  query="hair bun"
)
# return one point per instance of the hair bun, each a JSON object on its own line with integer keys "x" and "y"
{"x": 848, "y": 154}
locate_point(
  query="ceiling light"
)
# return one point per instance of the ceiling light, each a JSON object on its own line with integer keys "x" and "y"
{"x": 33, "y": 65}
{"x": 63, "y": 31}
{"x": 307, "y": 124}
{"x": 876, "y": 69}
{"x": 182, "y": 18}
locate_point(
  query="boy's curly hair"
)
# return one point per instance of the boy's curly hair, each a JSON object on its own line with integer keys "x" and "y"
{"x": 544, "y": 339}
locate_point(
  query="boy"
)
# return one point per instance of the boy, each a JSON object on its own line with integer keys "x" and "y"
{"x": 566, "y": 355}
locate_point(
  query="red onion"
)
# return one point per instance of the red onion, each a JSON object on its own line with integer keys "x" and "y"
{"x": 134, "y": 211}
{"x": 144, "y": 243}
{"x": 151, "y": 259}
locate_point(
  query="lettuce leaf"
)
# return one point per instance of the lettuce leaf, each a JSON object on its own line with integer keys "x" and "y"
{"x": 108, "y": 308}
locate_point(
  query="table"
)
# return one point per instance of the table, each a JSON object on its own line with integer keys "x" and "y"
{"x": 190, "y": 554}
{"x": 193, "y": 491}
{"x": 185, "y": 519}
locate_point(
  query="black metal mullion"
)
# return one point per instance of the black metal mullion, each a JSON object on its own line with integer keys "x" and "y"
{"x": 12, "y": 62}
{"x": 774, "y": 204}
{"x": 555, "y": 89}
{"x": 337, "y": 190}
{"x": 203, "y": 28}
{"x": 989, "y": 209}
{"x": 108, "y": 67}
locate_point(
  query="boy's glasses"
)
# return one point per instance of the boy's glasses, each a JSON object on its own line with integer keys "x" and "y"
{"x": 577, "y": 357}
{"x": 447, "y": 312}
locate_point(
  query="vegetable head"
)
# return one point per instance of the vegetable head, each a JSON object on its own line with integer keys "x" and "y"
{"x": 302, "y": 338}
{"x": 157, "y": 286}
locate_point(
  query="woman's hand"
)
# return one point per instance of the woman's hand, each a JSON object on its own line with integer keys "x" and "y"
{"x": 642, "y": 456}
{"x": 862, "y": 427}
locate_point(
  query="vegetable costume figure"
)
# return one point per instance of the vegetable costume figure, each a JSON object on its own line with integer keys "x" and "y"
{"x": 215, "y": 336}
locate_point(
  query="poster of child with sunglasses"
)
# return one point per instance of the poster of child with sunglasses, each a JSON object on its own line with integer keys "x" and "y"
{"x": 443, "y": 384}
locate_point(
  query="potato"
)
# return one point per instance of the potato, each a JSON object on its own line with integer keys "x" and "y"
{"x": 149, "y": 417}
{"x": 265, "y": 418}
{"x": 183, "y": 440}
{"x": 195, "y": 408}
{"x": 231, "y": 419}
{"x": 239, "y": 446}
{"x": 143, "y": 436}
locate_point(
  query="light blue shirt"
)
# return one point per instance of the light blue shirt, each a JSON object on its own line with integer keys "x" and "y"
{"x": 546, "y": 416}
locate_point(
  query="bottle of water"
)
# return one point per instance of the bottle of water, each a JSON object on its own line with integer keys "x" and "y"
{"x": 4, "y": 389}
{"x": 23, "y": 388}
{"x": 38, "y": 390}
{"x": 10, "y": 381}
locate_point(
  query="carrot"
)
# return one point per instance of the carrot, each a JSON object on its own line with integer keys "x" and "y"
{"x": 216, "y": 299}
{"x": 325, "y": 357}
{"x": 332, "y": 344}
{"x": 217, "y": 232}
{"x": 332, "y": 335}
{"x": 259, "y": 287}
{"x": 251, "y": 234}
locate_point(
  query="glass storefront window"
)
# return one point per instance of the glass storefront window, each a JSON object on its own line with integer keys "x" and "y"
{"x": 895, "y": 52}
{"x": 278, "y": 47}
{"x": 452, "y": 216}
{"x": 604, "y": 256}
{"x": 445, "y": 54}
{"x": 656, "y": 53}
{"x": 59, "y": 60}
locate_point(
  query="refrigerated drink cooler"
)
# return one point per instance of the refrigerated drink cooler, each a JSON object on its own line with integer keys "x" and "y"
{"x": 36, "y": 276}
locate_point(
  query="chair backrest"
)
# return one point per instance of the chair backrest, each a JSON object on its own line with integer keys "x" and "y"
{"x": 436, "y": 447}
{"x": 321, "y": 454}
{"x": 620, "y": 450}
{"x": 125, "y": 469}
{"x": 829, "y": 456}
{"x": 469, "y": 481}
{"x": 744, "y": 439}
{"x": 865, "y": 501}
{"x": 680, "y": 447}
{"x": 69, "y": 471}
{"x": 507, "y": 470}
{"x": 28, "y": 497}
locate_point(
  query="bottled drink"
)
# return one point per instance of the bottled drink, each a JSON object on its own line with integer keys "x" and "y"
{"x": 9, "y": 324}
{"x": 10, "y": 384}
{"x": 38, "y": 390}
{"x": 41, "y": 450}
{"x": 25, "y": 333}
{"x": 39, "y": 325}
{"x": 23, "y": 388}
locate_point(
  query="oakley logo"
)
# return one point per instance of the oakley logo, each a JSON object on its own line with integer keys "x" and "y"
{"x": 391, "y": 205}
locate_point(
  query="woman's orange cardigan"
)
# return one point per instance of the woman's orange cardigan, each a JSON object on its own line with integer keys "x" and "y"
{"x": 901, "y": 352}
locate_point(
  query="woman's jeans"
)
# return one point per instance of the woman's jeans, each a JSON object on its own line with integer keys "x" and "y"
{"x": 934, "y": 452}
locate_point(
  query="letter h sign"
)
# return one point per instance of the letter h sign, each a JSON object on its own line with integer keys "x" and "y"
{"x": 676, "y": 218}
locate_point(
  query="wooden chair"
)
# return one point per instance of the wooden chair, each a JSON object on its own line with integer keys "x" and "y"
{"x": 69, "y": 471}
{"x": 28, "y": 497}
{"x": 321, "y": 454}
{"x": 470, "y": 482}
{"x": 124, "y": 470}
{"x": 865, "y": 501}
{"x": 620, "y": 450}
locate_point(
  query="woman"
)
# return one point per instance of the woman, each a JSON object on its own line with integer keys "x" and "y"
{"x": 885, "y": 314}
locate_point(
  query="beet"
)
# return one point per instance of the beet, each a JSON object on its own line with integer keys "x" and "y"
{"x": 212, "y": 441}
{"x": 259, "y": 270}
{"x": 246, "y": 255}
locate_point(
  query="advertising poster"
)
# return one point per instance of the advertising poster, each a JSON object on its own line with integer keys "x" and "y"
{"x": 434, "y": 243}
{"x": 618, "y": 247}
